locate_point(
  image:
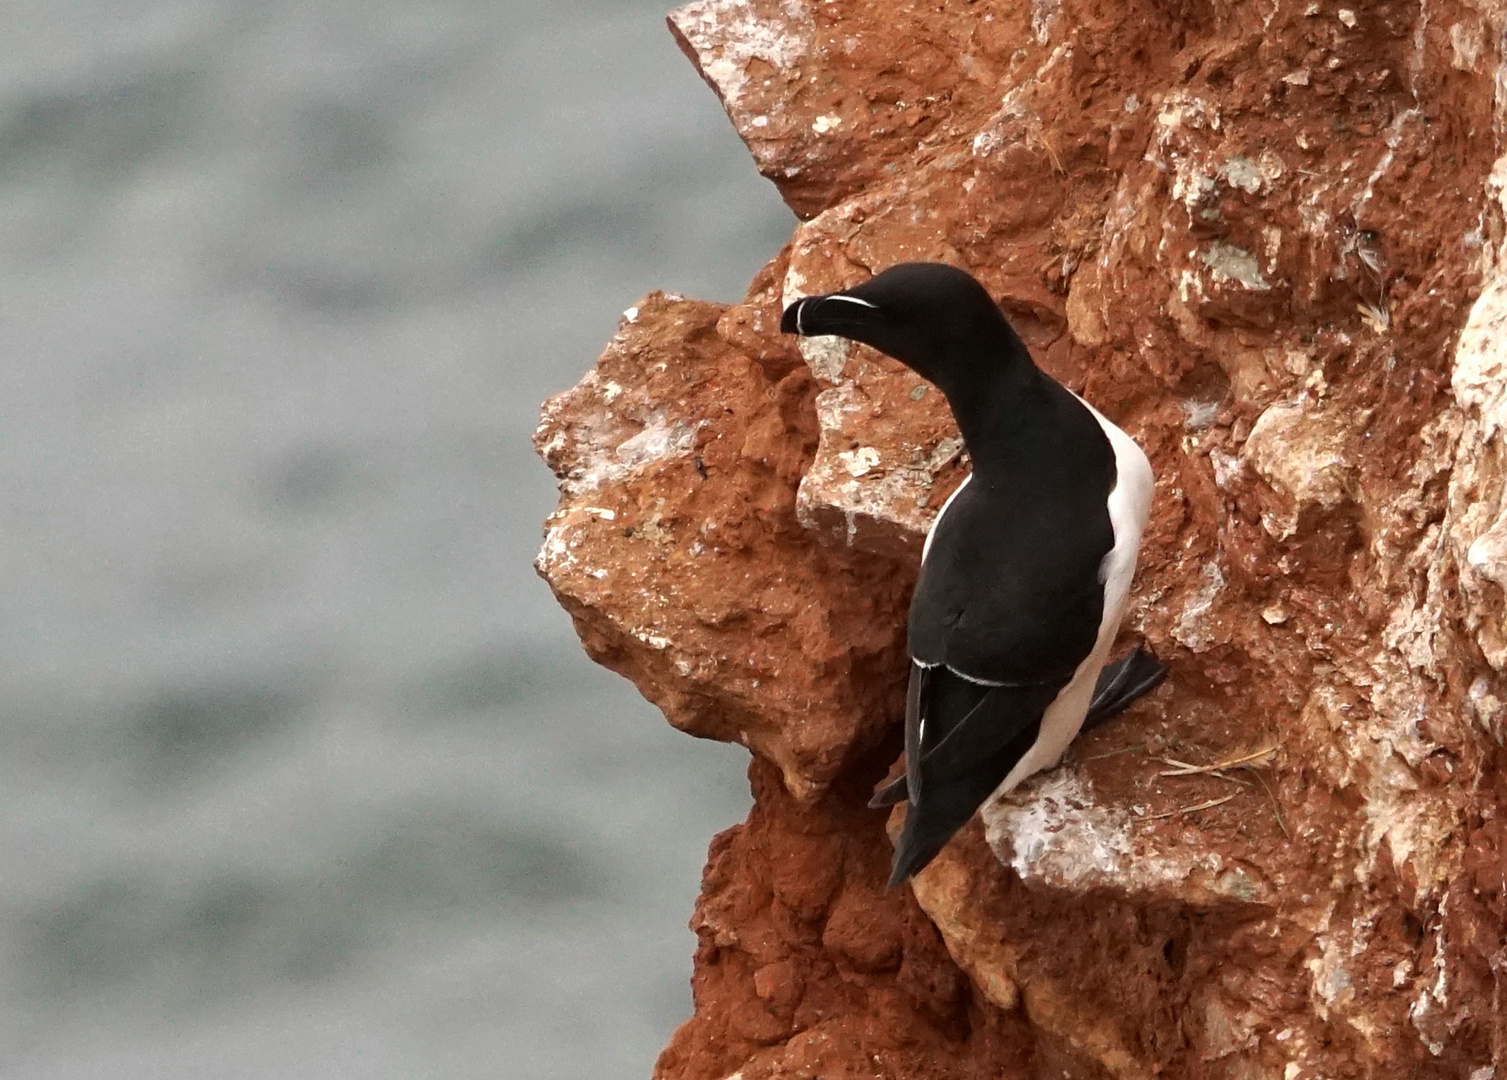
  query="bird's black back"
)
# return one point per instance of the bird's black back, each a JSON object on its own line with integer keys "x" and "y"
{"x": 1010, "y": 589}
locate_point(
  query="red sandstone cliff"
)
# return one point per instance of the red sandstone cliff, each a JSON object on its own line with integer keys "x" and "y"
{"x": 1264, "y": 238}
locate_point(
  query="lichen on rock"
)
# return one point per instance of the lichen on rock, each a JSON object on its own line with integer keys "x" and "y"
{"x": 1267, "y": 240}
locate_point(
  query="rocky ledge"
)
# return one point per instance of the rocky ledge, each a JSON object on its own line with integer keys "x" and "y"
{"x": 1265, "y": 239}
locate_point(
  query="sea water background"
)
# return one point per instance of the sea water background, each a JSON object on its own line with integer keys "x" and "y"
{"x": 302, "y": 773}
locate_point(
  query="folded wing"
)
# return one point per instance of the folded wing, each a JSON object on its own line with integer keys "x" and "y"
{"x": 966, "y": 736}
{"x": 1120, "y": 685}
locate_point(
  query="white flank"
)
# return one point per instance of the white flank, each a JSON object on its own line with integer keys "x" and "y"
{"x": 1129, "y": 507}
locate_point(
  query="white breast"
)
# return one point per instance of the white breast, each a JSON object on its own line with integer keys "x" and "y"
{"x": 1129, "y": 507}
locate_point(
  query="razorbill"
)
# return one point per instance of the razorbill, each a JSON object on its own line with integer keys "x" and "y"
{"x": 1026, "y": 571}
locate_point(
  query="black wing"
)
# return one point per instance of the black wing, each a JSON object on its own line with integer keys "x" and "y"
{"x": 1010, "y": 590}
{"x": 1120, "y": 685}
{"x": 962, "y": 739}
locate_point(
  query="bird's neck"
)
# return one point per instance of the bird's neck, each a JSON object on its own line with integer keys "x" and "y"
{"x": 994, "y": 410}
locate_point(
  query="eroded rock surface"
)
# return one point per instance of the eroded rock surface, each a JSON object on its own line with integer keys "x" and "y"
{"x": 1266, "y": 239}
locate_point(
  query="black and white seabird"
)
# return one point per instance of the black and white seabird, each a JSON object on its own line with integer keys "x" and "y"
{"x": 1026, "y": 571}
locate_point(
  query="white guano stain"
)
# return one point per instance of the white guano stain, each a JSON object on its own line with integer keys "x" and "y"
{"x": 1242, "y": 173}
{"x": 651, "y": 639}
{"x": 1226, "y": 466}
{"x": 600, "y": 462}
{"x": 1479, "y": 379}
{"x": 1016, "y": 122}
{"x": 1185, "y": 110}
{"x": 555, "y": 554}
{"x": 1433, "y": 998}
{"x": 1053, "y": 832}
{"x": 1061, "y": 834}
{"x": 562, "y": 537}
{"x": 1191, "y": 187}
{"x": 1226, "y": 262}
{"x": 727, "y": 34}
{"x": 1198, "y": 415}
{"x": 1193, "y": 630}
{"x": 1378, "y": 748}
{"x": 1332, "y": 984}
{"x": 1466, "y": 42}
{"x": 826, "y": 356}
{"x": 1476, "y": 528}
{"x": 1043, "y": 15}
{"x": 860, "y": 462}
{"x": 660, "y": 439}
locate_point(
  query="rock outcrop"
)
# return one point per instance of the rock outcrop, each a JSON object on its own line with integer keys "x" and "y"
{"x": 1267, "y": 240}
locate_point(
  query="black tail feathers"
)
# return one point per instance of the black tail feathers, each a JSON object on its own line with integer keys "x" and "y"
{"x": 1120, "y": 685}
{"x": 948, "y": 806}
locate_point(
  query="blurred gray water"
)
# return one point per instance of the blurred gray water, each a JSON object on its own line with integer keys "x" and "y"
{"x": 302, "y": 773}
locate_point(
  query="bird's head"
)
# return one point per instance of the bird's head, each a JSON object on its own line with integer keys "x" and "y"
{"x": 935, "y": 319}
